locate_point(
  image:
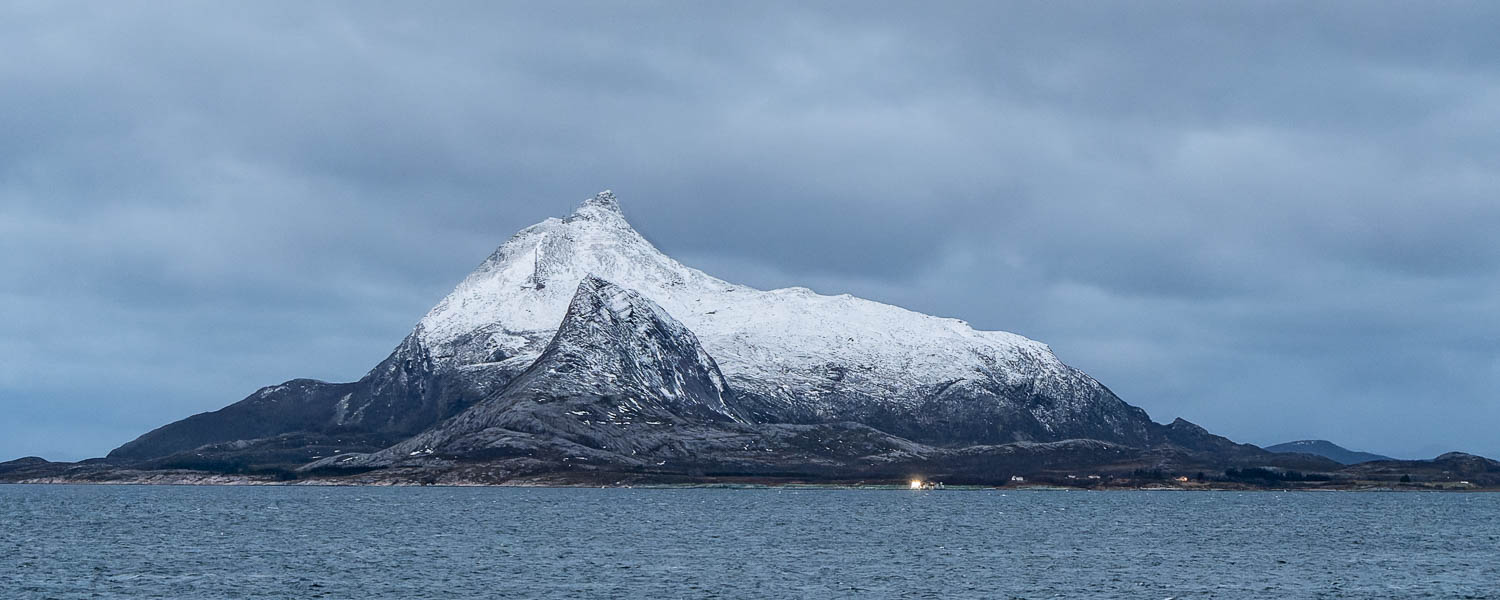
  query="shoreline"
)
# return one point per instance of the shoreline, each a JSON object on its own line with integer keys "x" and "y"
{"x": 234, "y": 481}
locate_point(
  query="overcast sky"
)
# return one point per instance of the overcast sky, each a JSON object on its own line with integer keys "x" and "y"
{"x": 1278, "y": 221}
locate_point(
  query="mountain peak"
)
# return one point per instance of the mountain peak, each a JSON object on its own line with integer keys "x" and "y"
{"x": 1185, "y": 425}
{"x": 596, "y": 296}
{"x": 603, "y": 206}
{"x": 599, "y": 306}
{"x": 615, "y": 332}
{"x": 592, "y": 282}
{"x": 1326, "y": 449}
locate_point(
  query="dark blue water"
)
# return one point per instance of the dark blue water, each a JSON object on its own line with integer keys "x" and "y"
{"x": 300, "y": 542}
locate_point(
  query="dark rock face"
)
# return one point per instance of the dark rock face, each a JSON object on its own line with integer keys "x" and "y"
{"x": 992, "y": 412}
{"x": 304, "y": 418}
{"x": 1326, "y": 449}
{"x": 1186, "y": 434}
{"x": 618, "y": 369}
{"x": 23, "y": 465}
{"x": 620, "y": 379}
{"x": 297, "y": 405}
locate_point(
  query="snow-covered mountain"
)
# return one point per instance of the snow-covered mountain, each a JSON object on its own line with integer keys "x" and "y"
{"x": 787, "y": 356}
{"x": 792, "y": 354}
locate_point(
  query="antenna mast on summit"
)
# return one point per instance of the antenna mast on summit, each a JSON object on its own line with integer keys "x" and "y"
{"x": 536, "y": 269}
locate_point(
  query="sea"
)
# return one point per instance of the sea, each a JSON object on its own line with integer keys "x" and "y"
{"x": 126, "y": 541}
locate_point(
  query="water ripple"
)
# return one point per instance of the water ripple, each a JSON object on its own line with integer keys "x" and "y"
{"x": 294, "y": 542}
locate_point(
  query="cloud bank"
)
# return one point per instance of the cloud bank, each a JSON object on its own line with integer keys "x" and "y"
{"x": 1271, "y": 219}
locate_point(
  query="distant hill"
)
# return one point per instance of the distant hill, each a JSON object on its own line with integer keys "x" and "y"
{"x": 1326, "y": 449}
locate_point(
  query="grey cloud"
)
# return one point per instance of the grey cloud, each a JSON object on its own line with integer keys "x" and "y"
{"x": 1274, "y": 219}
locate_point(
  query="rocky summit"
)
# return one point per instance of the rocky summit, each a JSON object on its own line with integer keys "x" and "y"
{"x": 577, "y": 351}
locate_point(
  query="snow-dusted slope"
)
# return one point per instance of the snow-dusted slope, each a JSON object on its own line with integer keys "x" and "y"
{"x": 751, "y": 332}
{"x": 796, "y": 353}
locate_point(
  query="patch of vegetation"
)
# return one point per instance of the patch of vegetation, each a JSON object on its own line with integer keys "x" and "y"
{"x": 1263, "y": 475}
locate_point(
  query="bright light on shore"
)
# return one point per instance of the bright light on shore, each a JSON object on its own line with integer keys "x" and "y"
{"x": 916, "y": 484}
